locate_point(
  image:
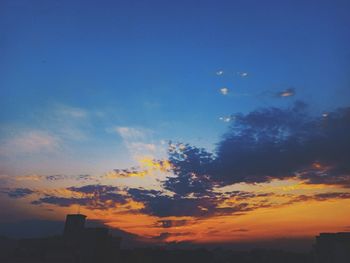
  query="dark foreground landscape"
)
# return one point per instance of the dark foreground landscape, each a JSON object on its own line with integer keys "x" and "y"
{"x": 81, "y": 244}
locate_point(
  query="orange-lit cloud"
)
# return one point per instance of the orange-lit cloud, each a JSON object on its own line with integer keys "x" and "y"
{"x": 148, "y": 166}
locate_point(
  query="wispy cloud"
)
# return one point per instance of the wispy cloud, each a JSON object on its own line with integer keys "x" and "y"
{"x": 139, "y": 142}
{"x": 69, "y": 111}
{"x": 47, "y": 132}
{"x": 17, "y": 192}
{"x": 286, "y": 93}
{"x": 131, "y": 133}
{"x": 29, "y": 142}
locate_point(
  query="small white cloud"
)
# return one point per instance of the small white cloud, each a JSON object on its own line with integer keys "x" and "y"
{"x": 224, "y": 91}
{"x": 325, "y": 114}
{"x": 286, "y": 93}
{"x": 227, "y": 118}
{"x": 219, "y": 72}
{"x": 243, "y": 74}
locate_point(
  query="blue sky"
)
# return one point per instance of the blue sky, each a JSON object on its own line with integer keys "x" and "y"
{"x": 151, "y": 66}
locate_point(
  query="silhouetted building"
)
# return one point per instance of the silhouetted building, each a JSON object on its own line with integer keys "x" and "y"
{"x": 332, "y": 248}
{"x": 75, "y": 224}
{"x": 78, "y": 244}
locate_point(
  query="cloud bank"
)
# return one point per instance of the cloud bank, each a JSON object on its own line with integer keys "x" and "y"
{"x": 261, "y": 146}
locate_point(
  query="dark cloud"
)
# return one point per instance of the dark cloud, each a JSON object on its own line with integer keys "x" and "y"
{"x": 335, "y": 195}
{"x": 57, "y": 177}
{"x": 94, "y": 189}
{"x": 62, "y": 201}
{"x": 94, "y": 197}
{"x": 171, "y": 223}
{"x": 192, "y": 168}
{"x": 18, "y": 192}
{"x": 266, "y": 144}
{"x": 158, "y": 204}
{"x": 318, "y": 197}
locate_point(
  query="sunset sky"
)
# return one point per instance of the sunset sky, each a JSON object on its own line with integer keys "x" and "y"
{"x": 198, "y": 121}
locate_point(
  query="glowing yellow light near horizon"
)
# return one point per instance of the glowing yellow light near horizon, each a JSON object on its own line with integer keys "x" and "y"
{"x": 151, "y": 164}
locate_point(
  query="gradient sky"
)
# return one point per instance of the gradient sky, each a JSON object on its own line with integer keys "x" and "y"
{"x": 89, "y": 88}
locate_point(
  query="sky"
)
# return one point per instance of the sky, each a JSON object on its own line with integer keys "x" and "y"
{"x": 177, "y": 121}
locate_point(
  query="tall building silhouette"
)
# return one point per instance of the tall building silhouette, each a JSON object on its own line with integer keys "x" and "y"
{"x": 74, "y": 225}
{"x": 78, "y": 244}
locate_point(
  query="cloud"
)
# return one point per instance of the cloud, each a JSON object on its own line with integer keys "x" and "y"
{"x": 332, "y": 195}
{"x": 242, "y": 74}
{"x": 318, "y": 197}
{"x": 142, "y": 148}
{"x": 148, "y": 166}
{"x": 204, "y": 204}
{"x": 131, "y": 133}
{"x": 138, "y": 141}
{"x": 286, "y": 93}
{"x": 29, "y": 142}
{"x": 17, "y": 192}
{"x": 47, "y": 133}
{"x": 278, "y": 143}
{"x": 227, "y": 118}
{"x": 261, "y": 146}
{"x": 67, "y": 122}
{"x": 51, "y": 178}
{"x": 219, "y": 72}
{"x": 58, "y": 177}
{"x": 191, "y": 167}
{"x": 224, "y": 91}
{"x": 171, "y": 223}
{"x": 91, "y": 196}
{"x": 124, "y": 173}
{"x": 71, "y": 112}
{"x": 160, "y": 203}
{"x": 94, "y": 189}
{"x": 29, "y": 177}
